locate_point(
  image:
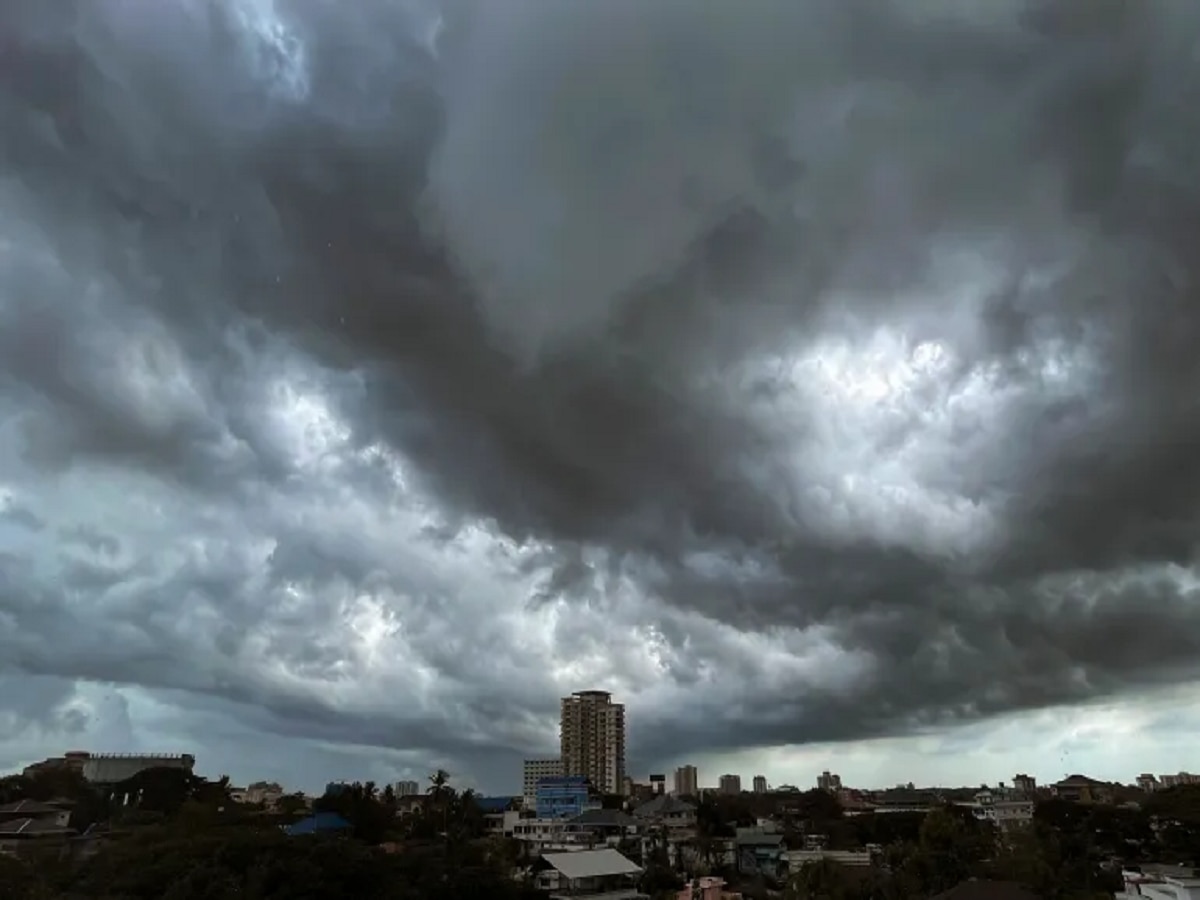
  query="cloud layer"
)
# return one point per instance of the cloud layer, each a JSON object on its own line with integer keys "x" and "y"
{"x": 375, "y": 375}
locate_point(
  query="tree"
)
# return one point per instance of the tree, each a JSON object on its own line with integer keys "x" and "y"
{"x": 820, "y": 880}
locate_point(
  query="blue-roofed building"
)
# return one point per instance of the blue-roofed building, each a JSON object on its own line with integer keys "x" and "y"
{"x": 564, "y": 796}
{"x": 494, "y": 804}
{"x": 321, "y": 823}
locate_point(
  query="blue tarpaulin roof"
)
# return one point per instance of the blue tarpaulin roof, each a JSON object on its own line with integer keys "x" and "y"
{"x": 321, "y": 822}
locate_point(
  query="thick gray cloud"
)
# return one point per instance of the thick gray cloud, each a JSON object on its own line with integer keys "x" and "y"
{"x": 825, "y": 369}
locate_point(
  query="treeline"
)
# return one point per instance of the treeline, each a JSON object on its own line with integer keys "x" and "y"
{"x": 172, "y": 836}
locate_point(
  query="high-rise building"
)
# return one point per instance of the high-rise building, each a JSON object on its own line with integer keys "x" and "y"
{"x": 407, "y": 789}
{"x": 592, "y": 738}
{"x": 687, "y": 782}
{"x": 760, "y": 784}
{"x": 534, "y": 771}
{"x": 829, "y": 782}
{"x": 730, "y": 784}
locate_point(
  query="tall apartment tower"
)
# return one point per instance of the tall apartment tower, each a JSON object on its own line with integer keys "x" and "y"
{"x": 687, "y": 782}
{"x": 593, "y": 739}
{"x": 730, "y": 784}
{"x": 760, "y": 784}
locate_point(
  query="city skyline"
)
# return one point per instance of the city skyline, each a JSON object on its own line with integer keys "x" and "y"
{"x": 360, "y": 398}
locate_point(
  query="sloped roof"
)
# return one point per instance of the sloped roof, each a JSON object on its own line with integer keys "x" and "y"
{"x": 31, "y": 827}
{"x": 591, "y": 864}
{"x": 29, "y": 808}
{"x": 603, "y": 817}
{"x": 1079, "y": 781}
{"x": 663, "y": 805}
{"x": 982, "y": 889}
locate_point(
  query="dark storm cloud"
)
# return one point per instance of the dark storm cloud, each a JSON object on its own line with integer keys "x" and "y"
{"x": 553, "y": 256}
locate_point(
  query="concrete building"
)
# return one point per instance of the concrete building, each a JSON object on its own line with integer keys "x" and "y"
{"x": 1158, "y": 882}
{"x": 566, "y": 796}
{"x": 113, "y": 768}
{"x": 760, "y": 784}
{"x": 534, "y": 770}
{"x": 730, "y": 784}
{"x": 687, "y": 782}
{"x": 1170, "y": 781}
{"x": 1148, "y": 783}
{"x": 1081, "y": 789}
{"x": 829, "y": 781}
{"x": 72, "y": 761}
{"x": 1025, "y": 785}
{"x": 406, "y": 789}
{"x": 592, "y": 738}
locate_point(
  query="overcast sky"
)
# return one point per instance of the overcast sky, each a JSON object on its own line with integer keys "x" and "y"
{"x": 820, "y": 377}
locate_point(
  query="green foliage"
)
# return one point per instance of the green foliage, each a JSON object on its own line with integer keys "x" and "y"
{"x": 177, "y": 837}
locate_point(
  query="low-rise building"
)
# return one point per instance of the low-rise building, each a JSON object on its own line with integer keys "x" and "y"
{"x": 671, "y": 812}
{"x": 710, "y": 887}
{"x": 589, "y": 873}
{"x": 1159, "y": 883}
{"x": 565, "y": 796}
{"x": 1081, "y": 789}
{"x": 30, "y": 825}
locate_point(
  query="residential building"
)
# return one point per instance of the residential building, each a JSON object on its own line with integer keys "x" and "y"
{"x": 1170, "y": 781}
{"x": 588, "y": 873}
{"x": 30, "y": 824}
{"x": 533, "y": 771}
{"x": 730, "y": 784}
{"x": 1082, "y": 789}
{"x": 1148, "y": 783}
{"x": 1025, "y": 785}
{"x": 1159, "y": 882}
{"x": 113, "y": 768}
{"x": 760, "y": 851}
{"x": 708, "y": 887}
{"x": 854, "y": 859}
{"x": 687, "y": 782}
{"x": 406, "y": 789}
{"x": 566, "y": 796}
{"x": 592, "y": 739}
{"x": 760, "y": 784}
{"x": 828, "y": 781}
{"x": 658, "y": 784}
{"x": 72, "y": 760}
{"x": 668, "y": 811}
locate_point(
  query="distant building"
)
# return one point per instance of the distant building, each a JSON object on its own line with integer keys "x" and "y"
{"x": 828, "y": 781}
{"x": 760, "y": 784}
{"x": 1148, "y": 783}
{"x": 534, "y": 770}
{"x": 71, "y": 761}
{"x": 730, "y": 784}
{"x": 1025, "y": 785}
{"x": 1170, "y": 781}
{"x": 1082, "y": 789}
{"x": 113, "y": 768}
{"x": 406, "y": 789}
{"x": 658, "y": 784}
{"x": 686, "y": 782}
{"x": 566, "y": 796}
{"x": 592, "y": 739}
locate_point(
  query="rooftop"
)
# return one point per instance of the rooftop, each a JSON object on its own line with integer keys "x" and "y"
{"x": 591, "y": 864}
{"x": 977, "y": 889}
{"x": 31, "y": 828}
{"x": 30, "y": 808}
{"x": 663, "y": 805}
